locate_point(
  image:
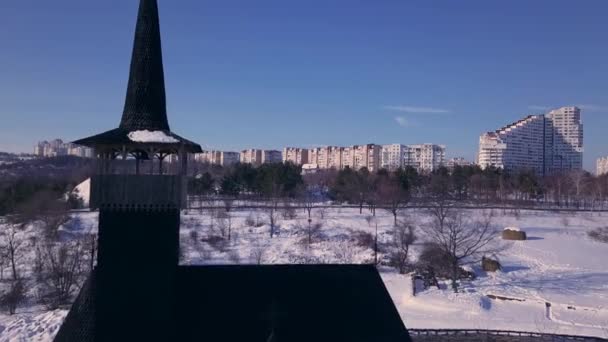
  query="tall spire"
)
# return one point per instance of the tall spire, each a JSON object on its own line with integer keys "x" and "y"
{"x": 145, "y": 105}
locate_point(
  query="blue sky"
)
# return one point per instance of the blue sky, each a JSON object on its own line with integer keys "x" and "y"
{"x": 272, "y": 73}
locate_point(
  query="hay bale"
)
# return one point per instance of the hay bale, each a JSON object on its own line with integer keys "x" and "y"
{"x": 490, "y": 265}
{"x": 512, "y": 233}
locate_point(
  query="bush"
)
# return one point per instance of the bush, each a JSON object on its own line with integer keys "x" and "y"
{"x": 435, "y": 258}
{"x": 289, "y": 213}
{"x": 10, "y": 300}
{"x": 363, "y": 239}
{"x": 599, "y": 234}
{"x": 250, "y": 220}
{"x": 439, "y": 262}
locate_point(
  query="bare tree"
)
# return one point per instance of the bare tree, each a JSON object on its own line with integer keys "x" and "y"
{"x": 307, "y": 200}
{"x": 273, "y": 218}
{"x": 392, "y": 195}
{"x": 228, "y": 203}
{"x": 3, "y": 261}
{"x": 90, "y": 246}
{"x": 63, "y": 272}
{"x": 224, "y": 223}
{"x": 403, "y": 238}
{"x": 12, "y": 245}
{"x": 312, "y": 231}
{"x": 371, "y": 220}
{"x": 343, "y": 252}
{"x": 464, "y": 240}
{"x": 258, "y": 253}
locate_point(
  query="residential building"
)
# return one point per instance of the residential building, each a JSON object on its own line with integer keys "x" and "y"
{"x": 229, "y": 158}
{"x": 545, "y": 144}
{"x": 348, "y": 157}
{"x": 57, "y": 148}
{"x": 326, "y": 157}
{"x": 334, "y": 157}
{"x": 519, "y": 145}
{"x": 367, "y": 156}
{"x": 602, "y": 166}
{"x": 272, "y": 156}
{"x": 457, "y": 161}
{"x": 308, "y": 169}
{"x": 424, "y": 157}
{"x": 298, "y": 156}
{"x": 563, "y": 140}
{"x": 392, "y": 156}
{"x": 218, "y": 157}
{"x": 251, "y": 156}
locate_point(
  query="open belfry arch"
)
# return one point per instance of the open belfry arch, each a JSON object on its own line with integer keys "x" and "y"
{"x": 139, "y": 292}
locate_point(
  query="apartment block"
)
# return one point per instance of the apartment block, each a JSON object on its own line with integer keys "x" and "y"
{"x": 348, "y": 157}
{"x": 602, "y": 166}
{"x": 272, "y": 156}
{"x": 298, "y": 156}
{"x": 563, "y": 140}
{"x": 392, "y": 156}
{"x": 57, "y": 148}
{"x": 423, "y": 157}
{"x": 251, "y": 156}
{"x": 547, "y": 144}
{"x": 519, "y": 145}
{"x": 457, "y": 161}
{"x": 367, "y": 156}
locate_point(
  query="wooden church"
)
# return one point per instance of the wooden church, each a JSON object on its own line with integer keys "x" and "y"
{"x": 138, "y": 291}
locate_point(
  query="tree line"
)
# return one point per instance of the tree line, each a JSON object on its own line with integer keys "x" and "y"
{"x": 574, "y": 189}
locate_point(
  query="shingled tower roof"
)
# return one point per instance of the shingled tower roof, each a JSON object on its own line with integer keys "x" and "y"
{"x": 145, "y": 104}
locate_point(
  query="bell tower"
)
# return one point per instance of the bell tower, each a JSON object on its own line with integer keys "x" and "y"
{"x": 139, "y": 197}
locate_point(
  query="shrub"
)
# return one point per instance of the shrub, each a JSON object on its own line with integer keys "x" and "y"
{"x": 363, "y": 239}
{"x": 289, "y": 213}
{"x": 435, "y": 258}
{"x": 250, "y": 220}
{"x": 10, "y": 300}
{"x": 599, "y": 234}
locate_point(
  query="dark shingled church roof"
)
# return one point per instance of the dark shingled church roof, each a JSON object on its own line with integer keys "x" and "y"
{"x": 145, "y": 103}
{"x": 320, "y": 303}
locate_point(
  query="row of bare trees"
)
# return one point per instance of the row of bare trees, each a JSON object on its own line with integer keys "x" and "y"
{"x": 61, "y": 258}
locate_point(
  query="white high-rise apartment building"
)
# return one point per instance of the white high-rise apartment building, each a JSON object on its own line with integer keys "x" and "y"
{"x": 519, "y": 145}
{"x": 544, "y": 143}
{"x": 563, "y": 140}
{"x": 602, "y": 166}
{"x": 298, "y": 156}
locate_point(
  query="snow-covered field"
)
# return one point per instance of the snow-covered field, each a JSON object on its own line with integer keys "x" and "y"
{"x": 558, "y": 264}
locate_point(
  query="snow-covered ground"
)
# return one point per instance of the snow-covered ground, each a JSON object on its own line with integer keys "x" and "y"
{"x": 558, "y": 264}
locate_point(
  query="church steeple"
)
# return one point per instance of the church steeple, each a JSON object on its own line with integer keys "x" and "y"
{"x": 145, "y": 108}
{"x": 145, "y": 104}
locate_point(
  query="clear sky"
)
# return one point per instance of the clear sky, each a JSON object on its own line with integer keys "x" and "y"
{"x": 272, "y": 73}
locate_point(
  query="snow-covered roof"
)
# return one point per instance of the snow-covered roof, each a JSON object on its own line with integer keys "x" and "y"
{"x": 146, "y": 136}
{"x": 512, "y": 228}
